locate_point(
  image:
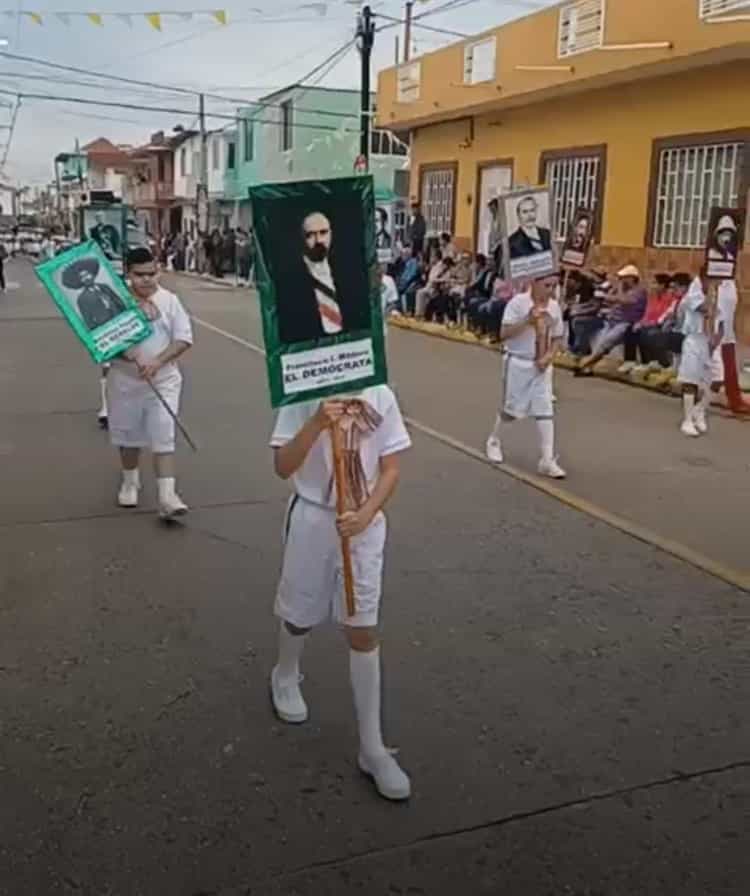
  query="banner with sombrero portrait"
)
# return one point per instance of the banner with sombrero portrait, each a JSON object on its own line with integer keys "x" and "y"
{"x": 94, "y": 301}
{"x": 723, "y": 242}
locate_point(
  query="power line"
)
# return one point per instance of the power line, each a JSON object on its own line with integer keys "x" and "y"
{"x": 166, "y": 88}
{"x": 186, "y": 112}
{"x": 396, "y": 21}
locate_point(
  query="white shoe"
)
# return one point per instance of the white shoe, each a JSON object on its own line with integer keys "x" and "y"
{"x": 689, "y": 428}
{"x": 700, "y": 423}
{"x": 390, "y": 780}
{"x": 552, "y": 469}
{"x": 128, "y": 495}
{"x": 172, "y": 506}
{"x": 494, "y": 451}
{"x": 288, "y": 702}
{"x": 626, "y": 367}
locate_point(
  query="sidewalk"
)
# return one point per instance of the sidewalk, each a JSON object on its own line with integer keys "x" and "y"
{"x": 664, "y": 382}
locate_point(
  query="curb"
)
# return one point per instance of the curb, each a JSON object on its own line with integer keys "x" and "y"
{"x": 605, "y": 369}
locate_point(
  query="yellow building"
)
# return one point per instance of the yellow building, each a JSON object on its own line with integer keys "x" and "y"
{"x": 637, "y": 108}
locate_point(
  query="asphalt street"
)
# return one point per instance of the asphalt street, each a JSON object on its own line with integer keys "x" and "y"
{"x": 571, "y": 701}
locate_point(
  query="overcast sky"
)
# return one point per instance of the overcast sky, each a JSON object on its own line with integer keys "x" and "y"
{"x": 250, "y": 56}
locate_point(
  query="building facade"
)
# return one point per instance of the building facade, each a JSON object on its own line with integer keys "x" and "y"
{"x": 150, "y": 185}
{"x": 637, "y": 110}
{"x": 303, "y": 133}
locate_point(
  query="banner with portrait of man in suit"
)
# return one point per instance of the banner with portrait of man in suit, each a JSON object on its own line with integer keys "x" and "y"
{"x": 529, "y": 247}
{"x": 94, "y": 301}
{"x": 320, "y": 290}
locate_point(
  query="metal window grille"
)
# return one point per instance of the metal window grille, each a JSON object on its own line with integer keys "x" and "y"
{"x": 437, "y": 199}
{"x": 407, "y": 82}
{"x": 574, "y": 184}
{"x": 691, "y": 180}
{"x": 479, "y": 61}
{"x": 581, "y": 27}
{"x": 710, "y": 8}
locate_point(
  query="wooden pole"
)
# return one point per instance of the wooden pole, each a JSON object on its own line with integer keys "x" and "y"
{"x": 339, "y": 472}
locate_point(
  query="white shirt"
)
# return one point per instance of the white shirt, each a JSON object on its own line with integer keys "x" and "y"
{"x": 321, "y": 271}
{"x": 172, "y": 325}
{"x": 727, "y": 308}
{"x": 313, "y": 478}
{"x": 693, "y": 318}
{"x": 518, "y": 309}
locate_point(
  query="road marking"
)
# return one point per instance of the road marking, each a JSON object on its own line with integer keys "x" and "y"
{"x": 735, "y": 577}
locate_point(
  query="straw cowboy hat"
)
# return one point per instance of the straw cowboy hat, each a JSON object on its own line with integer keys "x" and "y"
{"x": 71, "y": 276}
{"x": 630, "y": 270}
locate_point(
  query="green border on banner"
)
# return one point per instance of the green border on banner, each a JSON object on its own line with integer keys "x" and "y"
{"x": 132, "y": 322}
{"x": 352, "y": 191}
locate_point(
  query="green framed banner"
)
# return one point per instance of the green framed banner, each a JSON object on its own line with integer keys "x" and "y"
{"x": 94, "y": 301}
{"x": 319, "y": 282}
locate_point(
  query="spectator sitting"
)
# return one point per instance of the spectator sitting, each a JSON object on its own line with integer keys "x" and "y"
{"x": 479, "y": 289}
{"x": 447, "y": 249}
{"x": 440, "y": 305}
{"x": 585, "y": 313}
{"x": 489, "y": 315}
{"x": 436, "y": 274}
{"x": 627, "y": 303}
{"x": 461, "y": 277}
{"x": 408, "y": 280}
{"x": 652, "y": 331}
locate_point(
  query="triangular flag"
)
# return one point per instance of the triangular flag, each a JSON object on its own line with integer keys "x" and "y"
{"x": 125, "y": 17}
{"x": 95, "y": 18}
{"x": 34, "y": 16}
{"x": 220, "y": 15}
{"x": 154, "y": 19}
{"x": 63, "y": 17}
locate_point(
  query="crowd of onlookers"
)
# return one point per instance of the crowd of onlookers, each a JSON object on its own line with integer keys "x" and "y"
{"x": 215, "y": 253}
{"x": 603, "y": 311}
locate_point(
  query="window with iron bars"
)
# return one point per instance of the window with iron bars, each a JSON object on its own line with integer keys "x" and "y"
{"x": 438, "y": 185}
{"x": 574, "y": 183}
{"x": 691, "y": 180}
{"x": 708, "y": 9}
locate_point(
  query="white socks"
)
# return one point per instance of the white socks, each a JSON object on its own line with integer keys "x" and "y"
{"x": 704, "y": 403}
{"x": 495, "y": 434}
{"x": 103, "y": 388}
{"x": 131, "y": 478}
{"x": 688, "y": 405}
{"x": 290, "y": 651}
{"x": 165, "y": 485}
{"x": 365, "y": 674}
{"x": 546, "y": 429}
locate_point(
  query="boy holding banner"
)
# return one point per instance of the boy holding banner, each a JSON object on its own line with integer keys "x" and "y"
{"x": 311, "y": 588}
{"x": 338, "y": 435}
{"x": 137, "y": 418}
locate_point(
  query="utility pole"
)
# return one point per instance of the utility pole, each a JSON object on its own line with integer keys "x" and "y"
{"x": 202, "y": 186}
{"x": 365, "y": 40}
{"x": 407, "y": 29}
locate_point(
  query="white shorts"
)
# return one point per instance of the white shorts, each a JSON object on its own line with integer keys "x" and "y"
{"x": 527, "y": 391}
{"x": 137, "y": 419}
{"x": 697, "y": 367}
{"x": 311, "y": 588}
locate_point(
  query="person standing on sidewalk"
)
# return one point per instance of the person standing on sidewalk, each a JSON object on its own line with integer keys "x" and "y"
{"x": 527, "y": 380}
{"x": 310, "y": 590}
{"x": 727, "y": 303}
{"x": 137, "y": 419}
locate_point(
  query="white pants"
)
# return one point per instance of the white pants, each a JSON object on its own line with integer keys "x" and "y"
{"x": 527, "y": 391}
{"x": 697, "y": 366}
{"x": 137, "y": 419}
{"x": 311, "y": 588}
